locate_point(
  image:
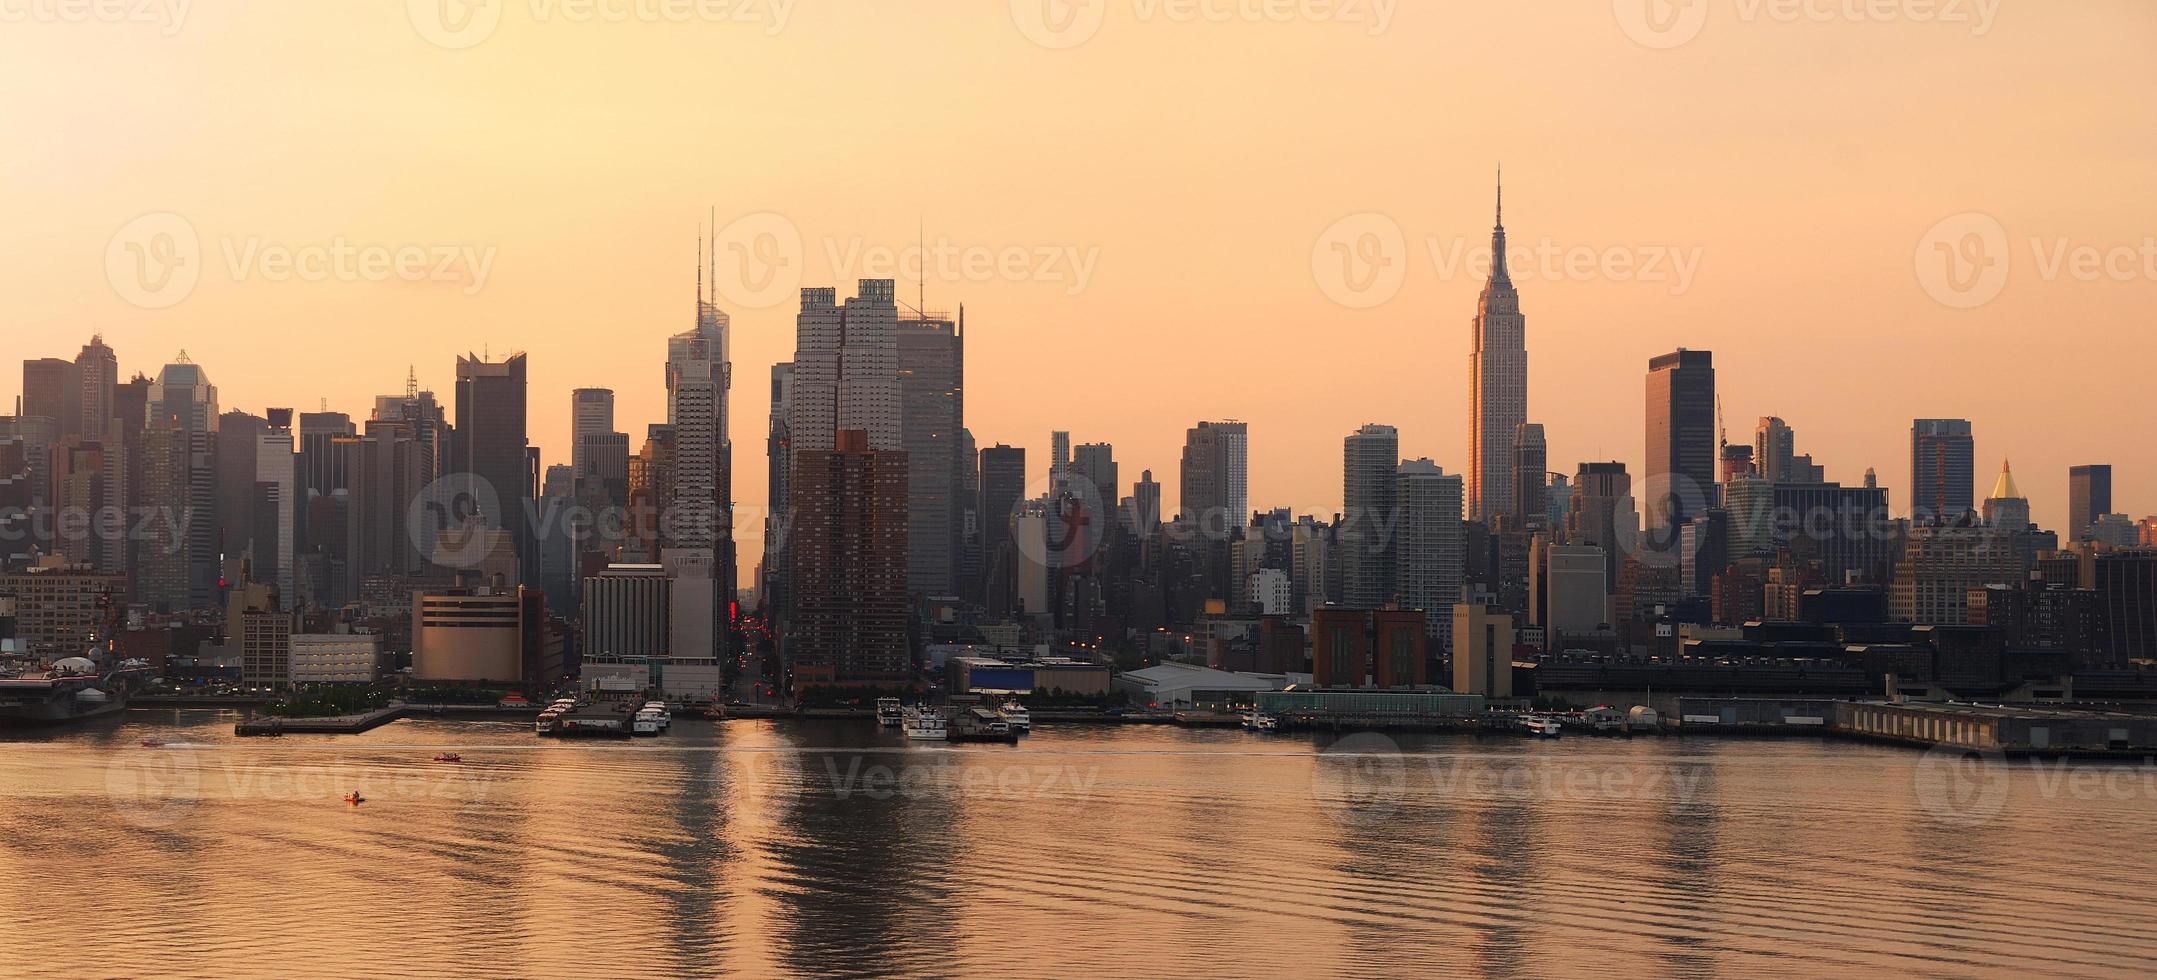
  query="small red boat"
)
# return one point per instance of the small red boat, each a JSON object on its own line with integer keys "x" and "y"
{"x": 151, "y": 743}
{"x": 449, "y": 757}
{"x": 355, "y": 799}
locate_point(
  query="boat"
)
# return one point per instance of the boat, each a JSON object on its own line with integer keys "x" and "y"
{"x": 658, "y": 709}
{"x": 1017, "y": 717}
{"x": 973, "y": 722}
{"x": 1541, "y": 726}
{"x": 1259, "y": 721}
{"x": 548, "y": 723}
{"x": 888, "y": 713}
{"x": 926, "y": 723}
{"x": 448, "y": 757}
{"x": 354, "y": 798}
{"x": 151, "y": 743}
{"x": 645, "y": 722}
{"x": 70, "y": 690}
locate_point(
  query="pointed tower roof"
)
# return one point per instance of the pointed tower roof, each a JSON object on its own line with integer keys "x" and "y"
{"x": 1499, "y": 274}
{"x": 2005, "y": 489}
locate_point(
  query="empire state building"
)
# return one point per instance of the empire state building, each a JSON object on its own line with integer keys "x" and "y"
{"x": 1497, "y": 385}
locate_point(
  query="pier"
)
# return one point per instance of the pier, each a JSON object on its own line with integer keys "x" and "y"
{"x": 270, "y": 725}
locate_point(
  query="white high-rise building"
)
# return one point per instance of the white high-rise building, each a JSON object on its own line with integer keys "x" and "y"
{"x": 1431, "y": 549}
{"x": 1059, "y": 461}
{"x": 1497, "y": 385}
{"x": 277, "y": 467}
{"x": 846, "y": 367}
{"x": 699, "y": 550}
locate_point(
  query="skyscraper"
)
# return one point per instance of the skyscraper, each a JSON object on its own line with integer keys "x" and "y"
{"x": 1431, "y": 549}
{"x": 183, "y": 392}
{"x": 1531, "y": 479}
{"x": 98, "y": 370}
{"x": 1942, "y": 458}
{"x": 932, "y": 393}
{"x": 185, "y": 487}
{"x": 849, "y": 545}
{"x": 1003, "y": 484}
{"x": 276, "y": 505}
{"x": 491, "y": 439}
{"x": 1602, "y": 514}
{"x": 1681, "y": 441}
{"x": 51, "y": 388}
{"x": 1370, "y": 515}
{"x": 1497, "y": 385}
{"x": 778, "y": 478}
{"x": 698, "y": 531}
{"x": 89, "y": 478}
{"x": 1216, "y": 475}
{"x": 1774, "y": 443}
{"x": 1095, "y": 462}
{"x": 1059, "y": 460}
{"x": 591, "y": 412}
{"x": 846, "y": 367}
{"x": 2089, "y": 497}
{"x": 1146, "y": 503}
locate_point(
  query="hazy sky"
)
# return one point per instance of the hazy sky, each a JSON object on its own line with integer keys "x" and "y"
{"x": 1772, "y": 181}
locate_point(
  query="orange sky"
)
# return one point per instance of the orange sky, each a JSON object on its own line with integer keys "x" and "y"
{"x": 1197, "y": 160}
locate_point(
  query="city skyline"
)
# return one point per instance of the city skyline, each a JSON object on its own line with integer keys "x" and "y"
{"x": 584, "y": 274}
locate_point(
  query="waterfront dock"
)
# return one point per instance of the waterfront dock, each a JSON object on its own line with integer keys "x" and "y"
{"x": 271, "y": 725}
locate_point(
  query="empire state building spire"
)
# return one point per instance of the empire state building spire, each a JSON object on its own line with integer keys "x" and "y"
{"x": 1497, "y": 385}
{"x": 1498, "y": 273}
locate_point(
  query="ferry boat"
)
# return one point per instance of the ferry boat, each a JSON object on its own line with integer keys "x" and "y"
{"x": 658, "y": 709}
{"x": 1541, "y": 726}
{"x": 1259, "y": 721}
{"x": 646, "y": 722}
{"x": 888, "y": 713}
{"x": 926, "y": 723}
{"x": 1016, "y": 717}
{"x": 548, "y": 723}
